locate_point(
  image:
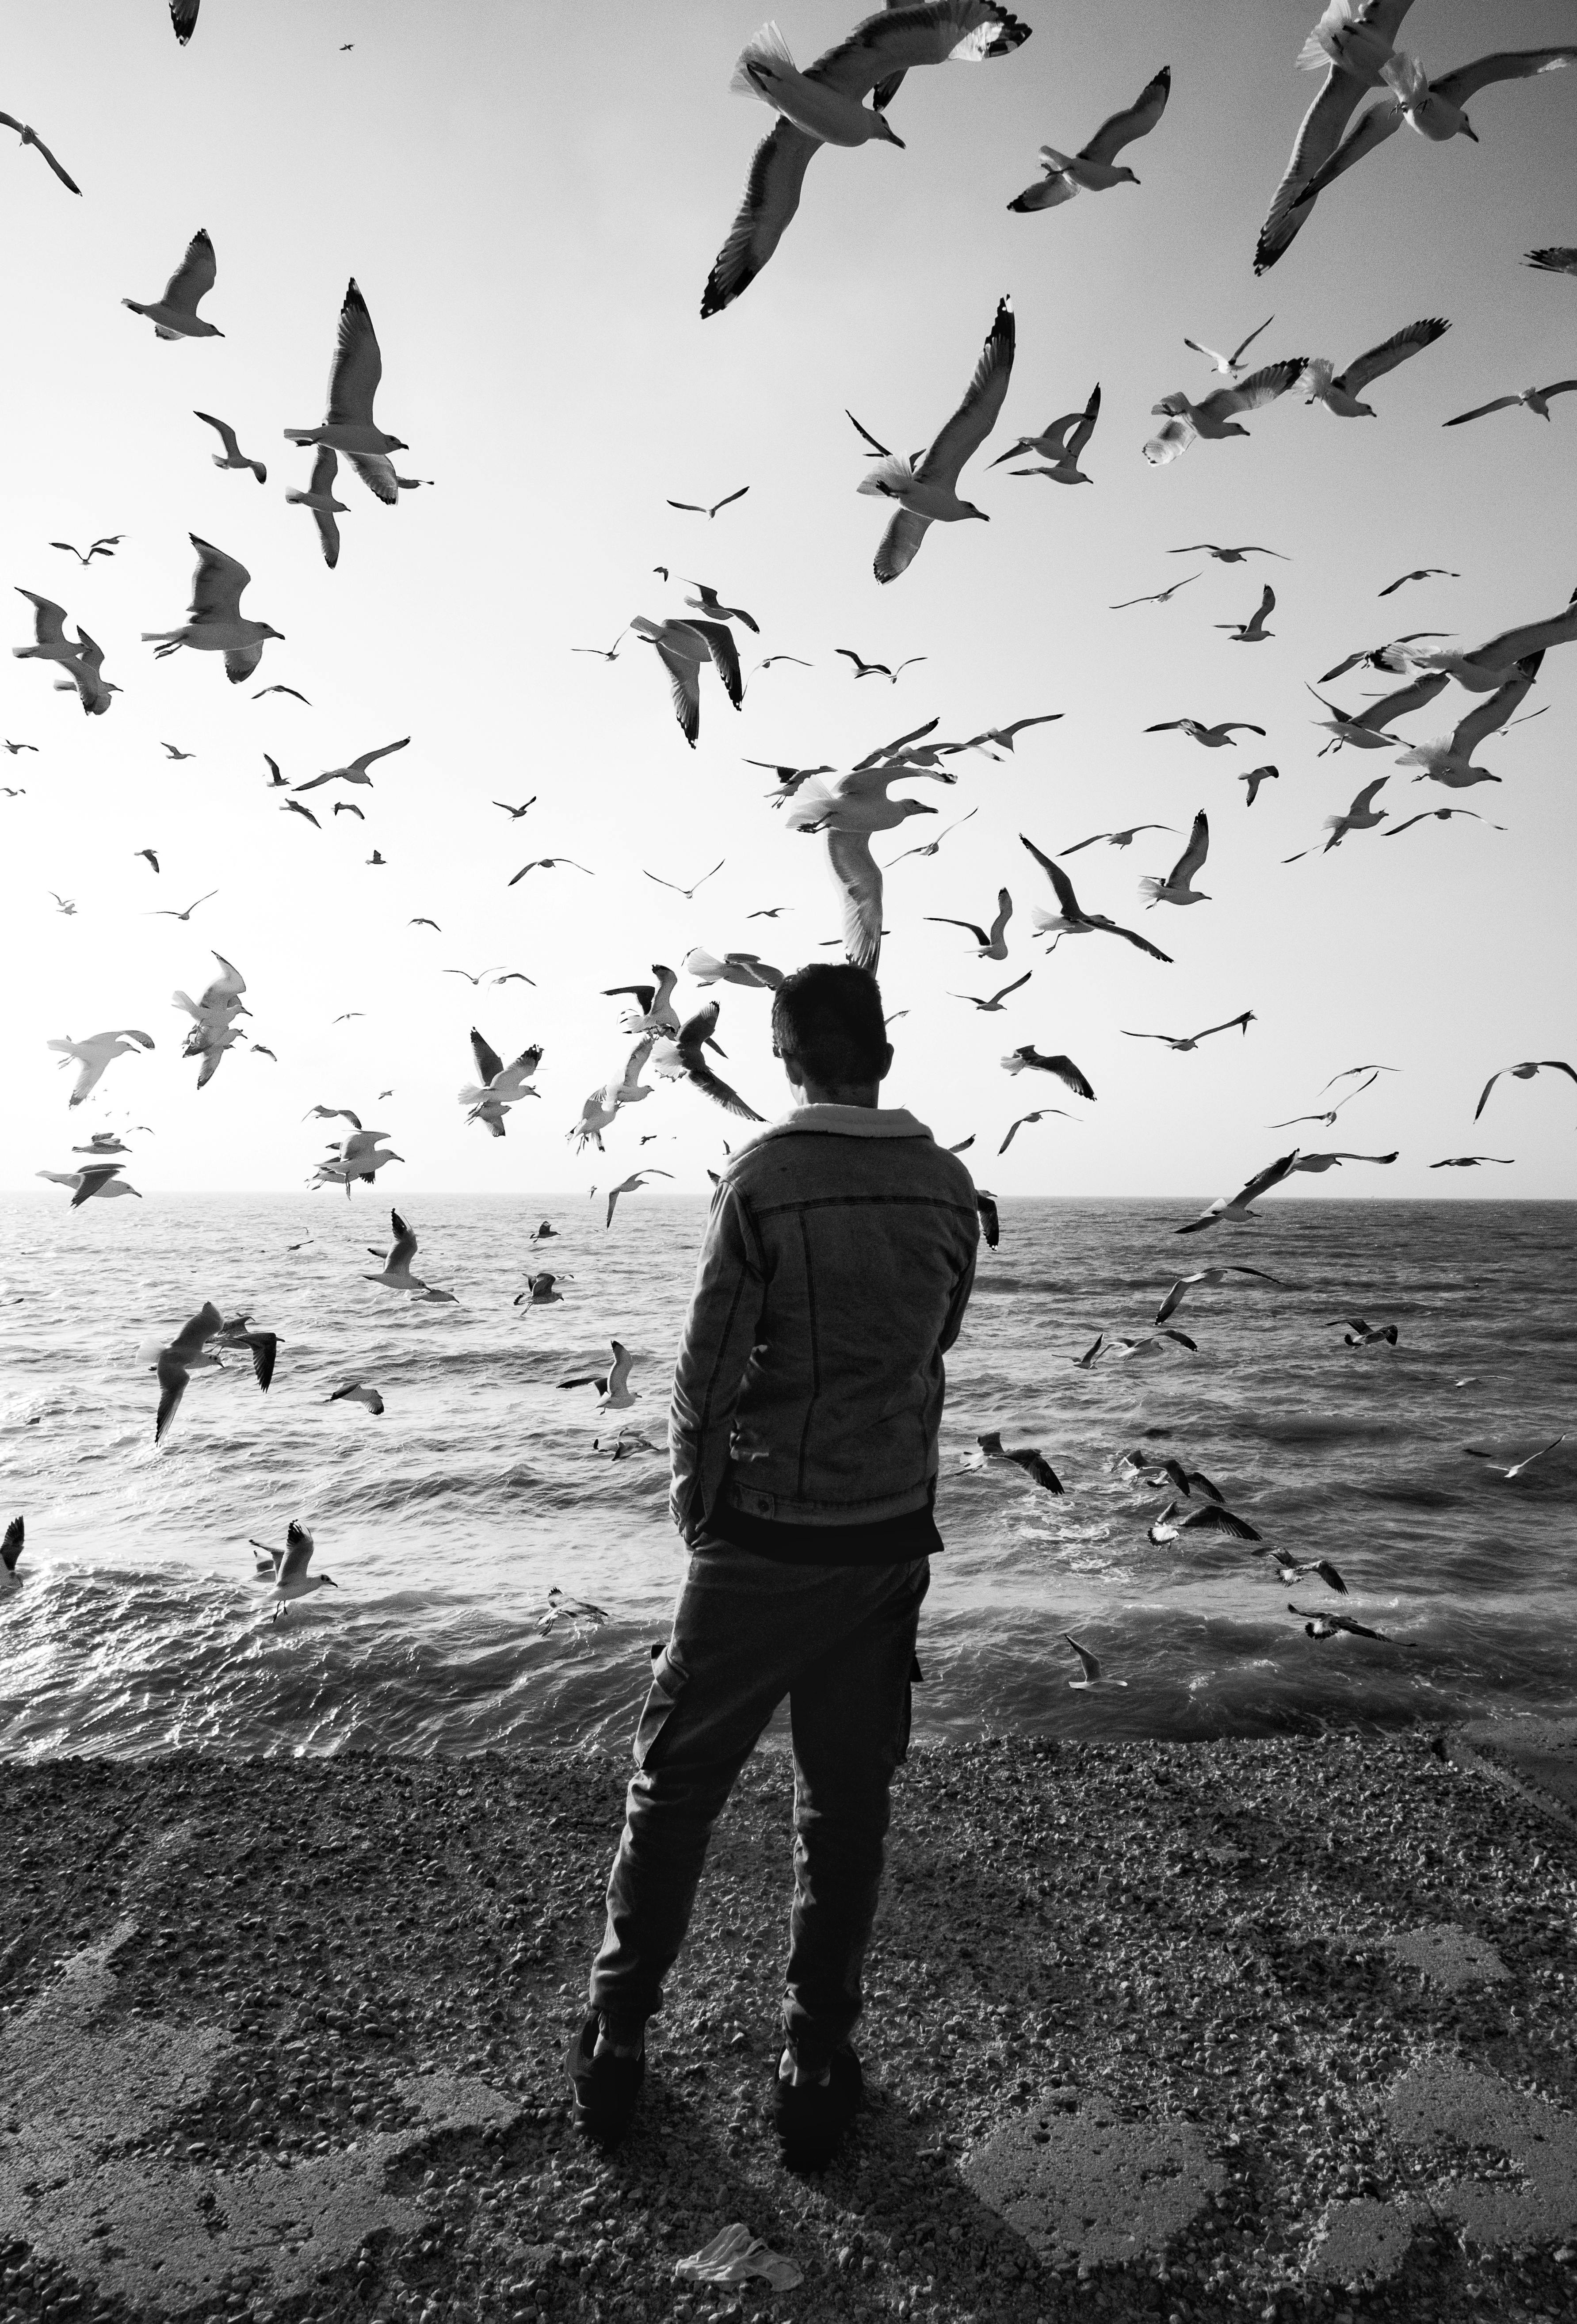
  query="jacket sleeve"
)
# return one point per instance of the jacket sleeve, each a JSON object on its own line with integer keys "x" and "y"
{"x": 720, "y": 1331}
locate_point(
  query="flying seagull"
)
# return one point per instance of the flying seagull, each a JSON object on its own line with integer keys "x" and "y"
{"x": 1523, "y": 1073}
{"x": 1215, "y": 417}
{"x": 1210, "y": 1276}
{"x": 175, "y": 316}
{"x": 1094, "y": 1675}
{"x": 94, "y": 1056}
{"x": 232, "y": 456}
{"x": 1555, "y": 259}
{"x": 1331, "y": 1626}
{"x": 927, "y": 491}
{"x": 992, "y": 943}
{"x": 1156, "y": 596}
{"x": 1419, "y": 573}
{"x": 99, "y": 1178}
{"x": 217, "y": 624}
{"x": 1238, "y": 1207}
{"x": 683, "y": 1059}
{"x": 1352, "y": 42}
{"x": 681, "y": 648}
{"x": 699, "y": 508}
{"x": 630, "y": 1185}
{"x": 1342, "y": 392}
{"x": 1070, "y": 920}
{"x": 993, "y": 1003}
{"x": 612, "y": 1387}
{"x": 1026, "y": 1119}
{"x": 1253, "y": 632}
{"x": 1231, "y": 366}
{"x": 1254, "y": 777}
{"x": 1516, "y": 1467}
{"x": 1531, "y": 399}
{"x": 1028, "y": 1058}
{"x": 1212, "y": 738}
{"x": 822, "y": 105}
{"x": 1178, "y": 886}
{"x": 318, "y": 497}
{"x": 878, "y": 669}
{"x": 30, "y": 136}
{"x": 1028, "y": 1458}
{"x": 1116, "y": 838}
{"x": 1061, "y": 442}
{"x": 1181, "y": 1041}
{"x": 356, "y": 772}
{"x": 348, "y": 425}
{"x": 1094, "y": 168}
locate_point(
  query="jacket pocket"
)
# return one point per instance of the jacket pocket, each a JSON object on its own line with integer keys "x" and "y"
{"x": 916, "y": 1678}
{"x": 668, "y": 1682}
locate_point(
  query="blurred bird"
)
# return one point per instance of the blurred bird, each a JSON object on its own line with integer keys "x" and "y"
{"x": 99, "y": 1178}
{"x": 104, "y": 546}
{"x": 354, "y": 1392}
{"x": 11, "y": 1546}
{"x": 356, "y": 772}
{"x": 95, "y": 1054}
{"x": 1214, "y": 418}
{"x": 539, "y": 1292}
{"x": 1094, "y": 1675}
{"x": 1213, "y": 1517}
{"x": 1156, "y": 596}
{"x": 1357, "y": 1333}
{"x": 1516, "y": 1467}
{"x": 1555, "y": 259}
{"x": 30, "y": 136}
{"x": 1026, "y": 1119}
{"x": 1331, "y": 1625}
{"x": 1028, "y": 1457}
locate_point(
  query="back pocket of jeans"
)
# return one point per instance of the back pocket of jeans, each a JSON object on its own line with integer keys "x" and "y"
{"x": 668, "y": 1681}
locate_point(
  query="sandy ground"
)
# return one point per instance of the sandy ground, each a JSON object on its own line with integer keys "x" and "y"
{"x": 1266, "y": 2029}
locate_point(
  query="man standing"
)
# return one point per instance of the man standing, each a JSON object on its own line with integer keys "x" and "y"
{"x": 807, "y": 1397}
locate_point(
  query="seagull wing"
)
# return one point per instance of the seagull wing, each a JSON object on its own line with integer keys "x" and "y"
{"x": 900, "y": 544}
{"x": 939, "y": 920}
{"x": 685, "y": 679}
{"x": 361, "y": 764}
{"x": 1410, "y": 341}
{"x": 193, "y": 279}
{"x": 772, "y": 196}
{"x": 1487, "y": 718}
{"x": 1063, "y": 887}
{"x": 1512, "y": 645}
{"x": 929, "y": 33}
{"x": 1362, "y": 806}
{"x": 977, "y": 415}
{"x": 218, "y": 583}
{"x": 725, "y": 655}
{"x": 1503, "y": 64}
{"x": 1004, "y": 914}
{"x": 172, "y": 1378}
{"x": 296, "y": 1557}
{"x": 1193, "y": 855}
{"x": 1087, "y": 1661}
{"x": 1249, "y": 395}
{"x": 858, "y": 878}
{"x": 1368, "y": 131}
{"x": 1478, "y": 413}
{"x": 223, "y": 429}
{"x": 692, "y": 1037}
{"x": 357, "y": 365}
{"x": 489, "y": 1064}
{"x": 1381, "y": 714}
{"x": 1098, "y": 920}
{"x": 1121, "y": 129}
{"x": 1318, "y": 136}
{"x": 403, "y": 1250}
{"x": 264, "y": 1347}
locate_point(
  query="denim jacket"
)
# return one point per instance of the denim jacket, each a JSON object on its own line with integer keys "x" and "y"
{"x": 837, "y": 1265}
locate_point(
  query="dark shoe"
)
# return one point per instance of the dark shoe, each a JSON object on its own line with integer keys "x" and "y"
{"x": 606, "y": 2088}
{"x": 811, "y": 2117}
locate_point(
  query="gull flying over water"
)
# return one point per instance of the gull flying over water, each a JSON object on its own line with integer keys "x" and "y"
{"x": 926, "y": 492}
{"x": 11, "y": 1546}
{"x": 1028, "y": 1458}
{"x": 290, "y": 1578}
{"x": 1516, "y": 1467}
{"x": 99, "y": 1178}
{"x": 1325, "y": 1119}
{"x": 847, "y": 811}
{"x": 186, "y": 1353}
{"x": 539, "y": 1292}
{"x": 498, "y": 1086}
{"x": 1025, "y": 1119}
{"x": 1178, "y": 886}
{"x": 1210, "y": 1276}
{"x": 30, "y": 136}
{"x": 395, "y": 1274}
{"x": 1094, "y": 168}
{"x": 1061, "y": 442}
{"x": 1253, "y": 632}
{"x": 1213, "y": 1517}
{"x": 996, "y": 998}
{"x": 1523, "y": 1073}
{"x": 217, "y": 624}
{"x": 348, "y": 426}
{"x": 232, "y": 456}
{"x": 683, "y": 1059}
{"x": 681, "y": 648}
{"x": 1342, "y": 392}
{"x": 823, "y": 105}
{"x": 318, "y": 497}
{"x": 630, "y": 1185}
{"x": 1181, "y": 1041}
{"x": 1090, "y": 1665}
{"x": 95, "y": 1054}
{"x": 214, "y": 1029}
{"x": 174, "y": 316}
{"x": 1236, "y": 1207}
{"x": 1231, "y": 366}
{"x": 1070, "y": 920}
{"x": 1319, "y": 1163}
{"x": 1331, "y": 1626}
{"x": 360, "y": 1158}
{"x": 612, "y": 1387}
{"x": 1215, "y": 416}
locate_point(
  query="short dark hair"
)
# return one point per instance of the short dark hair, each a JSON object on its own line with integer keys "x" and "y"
{"x": 829, "y": 1016}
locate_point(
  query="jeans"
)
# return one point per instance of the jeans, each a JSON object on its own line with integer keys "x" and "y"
{"x": 839, "y": 1642}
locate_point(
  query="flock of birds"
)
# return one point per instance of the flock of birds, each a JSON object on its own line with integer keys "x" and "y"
{"x": 1369, "y": 89}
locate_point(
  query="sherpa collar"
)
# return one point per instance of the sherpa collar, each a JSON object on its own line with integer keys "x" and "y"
{"x": 845, "y": 1122}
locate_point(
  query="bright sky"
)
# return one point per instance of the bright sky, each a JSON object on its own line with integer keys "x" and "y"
{"x": 531, "y": 200}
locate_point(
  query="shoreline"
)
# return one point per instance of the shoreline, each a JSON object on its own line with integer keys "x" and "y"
{"x": 1191, "y": 2030}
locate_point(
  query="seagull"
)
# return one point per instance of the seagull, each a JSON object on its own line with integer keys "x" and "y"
{"x": 1070, "y": 920}
{"x": 1223, "y": 555}
{"x": 356, "y": 772}
{"x": 994, "y": 1003}
{"x": 1557, "y": 259}
{"x": 1254, "y": 777}
{"x": 1327, "y": 1119}
{"x": 1253, "y": 632}
{"x": 361, "y": 1156}
{"x": 1523, "y": 1073}
{"x": 186, "y": 1353}
{"x": 827, "y": 98}
{"x": 95, "y": 1054}
{"x": 217, "y": 624}
{"x": 332, "y": 1113}
{"x": 604, "y": 653}
{"x": 681, "y": 648}
{"x": 1181, "y": 1041}
{"x": 630, "y": 1185}
{"x": 1362, "y": 816}
{"x": 1028, "y": 1457}
{"x": 682, "y": 1058}
{"x": 1516, "y": 1467}
{"x": 14, "y": 747}
{"x": 100, "y": 1179}
{"x": 653, "y": 1011}
{"x": 612, "y": 1387}
{"x": 573, "y": 1610}
{"x": 1061, "y": 442}
{"x": 1155, "y": 598}
{"x": 11, "y": 1547}
{"x": 705, "y": 601}
{"x": 164, "y": 911}
{"x": 1236, "y": 1207}
{"x": 1172, "y": 1471}
{"x": 1484, "y": 670}
{"x": 93, "y": 689}
{"x": 498, "y": 1086}
{"x": 550, "y": 863}
{"x": 1116, "y": 838}
{"x": 176, "y": 754}
{"x": 1532, "y": 399}
{"x": 878, "y": 669}
{"x": 1211, "y": 738}
{"x": 1340, "y": 393}
{"x": 395, "y": 1274}
{"x": 1214, "y": 418}
{"x": 263, "y": 1347}
{"x": 985, "y": 1205}
{"x": 1439, "y": 815}
{"x": 1352, "y": 41}
{"x": 1178, "y": 886}
{"x": 927, "y": 491}
{"x": 1448, "y": 759}
{"x": 1028, "y": 1059}
{"x": 104, "y": 546}
{"x": 175, "y": 316}
{"x": 515, "y": 812}
{"x": 1024, "y": 1119}
{"x": 1357, "y": 1333}
{"x": 1452, "y": 1161}
{"x": 348, "y": 426}
{"x": 292, "y": 1579}
{"x": 688, "y": 893}
{"x": 318, "y": 497}
{"x": 699, "y": 508}
{"x": 539, "y": 1292}
{"x": 212, "y": 1013}
{"x": 30, "y": 136}
{"x": 103, "y": 1141}
{"x": 1420, "y": 572}
{"x": 1083, "y": 1363}
{"x": 1091, "y": 1667}
{"x": 51, "y": 642}
{"x": 1367, "y": 730}
{"x": 994, "y": 740}
{"x": 293, "y": 693}
{"x": 746, "y": 968}
{"x": 1319, "y": 1163}
{"x": 354, "y": 1392}
{"x": 232, "y": 456}
{"x": 1289, "y": 1570}
{"x": 1231, "y": 367}
{"x": 928, "y": 847}
{"x": 1094, "y": 168}
{"x": 294, "y": 806}
{"x": 1330, "y": 1625}
{"x": 992, "y": 947}
{"x": 1210, "y": 1276}
{"x": 64, "y": 904}
{"x": 848, "y": 810}
{"x": 1214, "y": 1517}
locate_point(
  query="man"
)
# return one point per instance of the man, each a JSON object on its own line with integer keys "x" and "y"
{"x": 808, "y": 1396}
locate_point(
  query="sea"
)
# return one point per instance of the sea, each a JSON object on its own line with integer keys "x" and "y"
{"x": 136, "y": 1622}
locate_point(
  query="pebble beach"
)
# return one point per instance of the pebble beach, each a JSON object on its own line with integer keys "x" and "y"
{"x": 1278, "y": 2028}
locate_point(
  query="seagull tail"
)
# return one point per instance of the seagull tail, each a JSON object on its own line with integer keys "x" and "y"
{"x": 1151, "y": 888}
{"x": 886, "y": 479}
{"x": 1406, "y": 76}
{"x": 767, "y": 48}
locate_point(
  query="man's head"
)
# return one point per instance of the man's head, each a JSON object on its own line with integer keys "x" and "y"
{"x": 827, "y": 1028}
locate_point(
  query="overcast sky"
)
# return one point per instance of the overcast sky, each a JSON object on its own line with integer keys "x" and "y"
{"x": 531, "y": 198}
